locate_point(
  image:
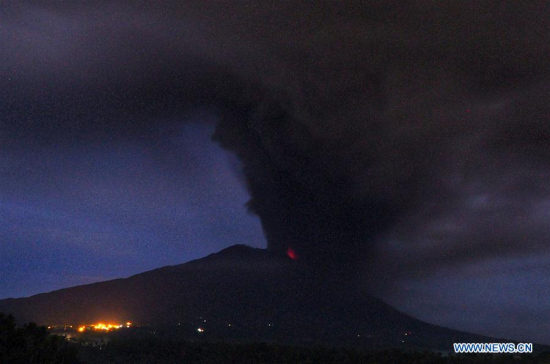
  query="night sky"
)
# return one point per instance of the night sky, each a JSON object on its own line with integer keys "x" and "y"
{"x": 401, "y": 147}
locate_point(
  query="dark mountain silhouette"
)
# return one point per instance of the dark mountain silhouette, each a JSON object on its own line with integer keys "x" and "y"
{"x": 240, "y": 293}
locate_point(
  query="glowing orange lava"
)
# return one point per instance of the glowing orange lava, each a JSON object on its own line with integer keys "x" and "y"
{"x": 291, "y": 253}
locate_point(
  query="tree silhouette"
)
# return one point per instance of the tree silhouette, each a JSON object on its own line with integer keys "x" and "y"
{"x": 32, "y": 344}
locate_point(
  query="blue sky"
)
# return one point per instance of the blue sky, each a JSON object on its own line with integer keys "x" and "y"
{"x": 111, "y": 210}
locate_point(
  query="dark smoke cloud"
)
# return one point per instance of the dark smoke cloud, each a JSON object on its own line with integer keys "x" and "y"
{"x": 403, "y": 130}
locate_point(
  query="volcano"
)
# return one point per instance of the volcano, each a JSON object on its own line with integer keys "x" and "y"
{"x": 240, "y": 294}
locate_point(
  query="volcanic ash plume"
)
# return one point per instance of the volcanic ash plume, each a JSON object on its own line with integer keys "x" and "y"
{"x": 358, "y": 125}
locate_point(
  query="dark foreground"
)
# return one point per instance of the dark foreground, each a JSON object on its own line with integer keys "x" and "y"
{"x": 163, "y": 351}
{"x": 33, "y": 344}
{"x": 30, "y": 344}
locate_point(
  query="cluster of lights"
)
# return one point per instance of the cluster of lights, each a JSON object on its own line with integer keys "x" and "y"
{"x": 103, "y": 327}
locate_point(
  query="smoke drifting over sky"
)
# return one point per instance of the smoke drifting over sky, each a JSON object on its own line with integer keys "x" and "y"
{"x": 392, "y": 141}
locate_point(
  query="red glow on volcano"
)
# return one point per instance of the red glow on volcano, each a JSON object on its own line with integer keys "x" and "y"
{"x": 291, "y": 253}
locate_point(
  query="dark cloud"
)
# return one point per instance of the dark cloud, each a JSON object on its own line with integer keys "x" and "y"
{"x": 412, "y": 132}
{"x": 503, "y": 296}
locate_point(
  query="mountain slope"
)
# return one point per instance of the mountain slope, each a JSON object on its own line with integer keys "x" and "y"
{"x": 240, "y": 293}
